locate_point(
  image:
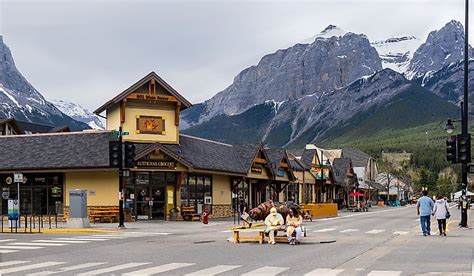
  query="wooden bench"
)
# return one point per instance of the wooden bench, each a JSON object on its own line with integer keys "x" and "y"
{"x": 259, "y": 238}
{"x": 104, "y": 214}
{"x": 189, "y": 213}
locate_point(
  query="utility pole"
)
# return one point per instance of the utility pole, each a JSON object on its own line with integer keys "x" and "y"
{"x": 120, "y": 190}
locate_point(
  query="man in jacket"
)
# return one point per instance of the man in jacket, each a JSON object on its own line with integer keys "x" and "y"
{"x": 274, "y": 222}
{"x": 423, "y": 208}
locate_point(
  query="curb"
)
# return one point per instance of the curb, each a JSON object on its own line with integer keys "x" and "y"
{"x": 65, "y": 231}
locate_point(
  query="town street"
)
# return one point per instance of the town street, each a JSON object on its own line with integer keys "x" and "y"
{"x": 384, "y": 241}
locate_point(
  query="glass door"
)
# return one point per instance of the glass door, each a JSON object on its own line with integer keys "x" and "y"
{"x": 158, "y": 198}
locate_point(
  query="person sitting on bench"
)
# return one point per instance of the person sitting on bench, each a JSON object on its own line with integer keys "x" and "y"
{"x": 293, "y": 230}
{"x": 274, "y": 222}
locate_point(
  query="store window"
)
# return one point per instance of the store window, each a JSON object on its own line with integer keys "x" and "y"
{"x": 292, "y": 192}
{"x": 195, "y": 189}
{"x": 308, "y": 194}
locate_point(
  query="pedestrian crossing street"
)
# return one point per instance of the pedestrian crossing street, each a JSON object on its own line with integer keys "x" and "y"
{"x": 353, "y": 230}
{"x": 13, "y": 246}
{"x": 188, "y": 269}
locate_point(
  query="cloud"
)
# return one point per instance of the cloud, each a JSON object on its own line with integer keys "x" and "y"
{"x": 88, "y": 51}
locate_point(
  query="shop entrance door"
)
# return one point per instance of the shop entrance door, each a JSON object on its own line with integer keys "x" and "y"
{"x": 142, "y": 194}
{"x": 158, "y": 202}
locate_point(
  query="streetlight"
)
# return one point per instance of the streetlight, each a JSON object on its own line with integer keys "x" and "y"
{"x": 462, "y": 142}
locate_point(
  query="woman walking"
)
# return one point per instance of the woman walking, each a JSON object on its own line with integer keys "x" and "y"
{"x": 440, "y": 210}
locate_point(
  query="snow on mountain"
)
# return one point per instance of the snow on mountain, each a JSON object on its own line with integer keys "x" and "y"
{"x": 397, "y": 52}
{"x": 328, "y": 32}
{"x": 79, "y": 113}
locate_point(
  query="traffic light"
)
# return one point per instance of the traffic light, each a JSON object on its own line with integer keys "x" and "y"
{"x": 115, "y": 154}
{"x": 451, "y": 150}
{"x": 464, "y": 148}
{"x": 129, "y": 155}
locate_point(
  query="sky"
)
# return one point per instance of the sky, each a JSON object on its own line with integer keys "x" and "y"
{"x": 89, "y": 51}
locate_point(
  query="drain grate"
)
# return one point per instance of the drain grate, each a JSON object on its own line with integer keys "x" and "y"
{"x": 197, "y": 242}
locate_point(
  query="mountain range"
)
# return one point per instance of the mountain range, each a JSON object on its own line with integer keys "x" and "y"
{"x": 340, "y": 84}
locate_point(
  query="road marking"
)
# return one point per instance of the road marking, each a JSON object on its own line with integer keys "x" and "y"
{"x": 375, "y": 231}
{"x": 102, "y": 237}
{"x": 214, "y": 270}
{"x": 81, "y": 239}
{"x": 28, "y": 267}
{"x": 401, "y": 232}
{"x": 384, "y": 273}
{"x": 112, "y": 268}
{"x": 7, "y": 240}
{"x": 349, "y": 230}
{"x": 266, "y": 270}
{"x": 65, "y": 269}
{"x": 158, "y": 269}
{"x": 19, "y": 247}
{"x": 148, "y": 233}
{"x": 324, "y": 230}
{"x": 13, "y": 263}
{"x": 362, "y": 214}
{"x": 64, "y": 241}
{"x": 226, "y": 231}
{"x": 7, "y": 251}
{"x": 37, "y": 243}
{"x": 324, "y": 272}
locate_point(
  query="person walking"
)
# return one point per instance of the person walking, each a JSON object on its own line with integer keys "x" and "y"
{"x": 424, "y": 206}
{"x": 440, "y": 211}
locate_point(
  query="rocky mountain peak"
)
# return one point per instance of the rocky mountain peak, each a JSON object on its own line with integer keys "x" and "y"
{"x": 441, "y": 48}
{"x": 331, "y": 31}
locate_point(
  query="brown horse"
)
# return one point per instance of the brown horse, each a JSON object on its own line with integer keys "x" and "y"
{"x": 263, "y": 210}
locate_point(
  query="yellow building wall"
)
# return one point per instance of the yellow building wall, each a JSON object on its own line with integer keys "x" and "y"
{"x": 221, "y": 192}
{"x": 103, "y": 183}
{"x": 171, "y": 130}
{"x": 113, "y": 118}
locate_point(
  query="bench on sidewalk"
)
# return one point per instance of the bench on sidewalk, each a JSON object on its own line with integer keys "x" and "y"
{"x": 104, "y": 214}
{"x": 189, "y": 213}
{"x": 259, "y": 238}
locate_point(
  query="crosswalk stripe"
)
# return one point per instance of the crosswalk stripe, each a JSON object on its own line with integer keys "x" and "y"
{"x": 37, "y": 244}
{"x": 112, "y": 268}
{"x": 7, "y": 251}
{"x": 106, "y": 237}
{"x": 65, "y": 269}
{"x": 324, "y": 272}
{"x": 401, "y": 232}
{"x": 324, "y": 230}
{"x": 63, "y": 241}
{"x": 384, "y": 273}
{"x": 12, "y": 263}
{"x": 214, "y": 270}
{"x": 158, "y": 269}
{"x": 266, "y": 270}
{"x": 19, "y": 247}
{"x": 81, "y": 239}
{"x": 7, "y": 240}
{"x": 148, "y": 233}
{"x": 349, "y": 230}
{"x": 375, "y": 231}
{"x": 28, "y": 267}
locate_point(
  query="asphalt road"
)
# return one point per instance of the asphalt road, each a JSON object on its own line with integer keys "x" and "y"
{"x": 381, "y": 242}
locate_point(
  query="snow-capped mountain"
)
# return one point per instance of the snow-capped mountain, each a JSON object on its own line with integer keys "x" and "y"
{"x": 80, "y": 114}
{"x": 442, "y": 47}
{"x": 333, "y": 60}
{"x": 19, "y": 99}
{"x": 397, "y": 52}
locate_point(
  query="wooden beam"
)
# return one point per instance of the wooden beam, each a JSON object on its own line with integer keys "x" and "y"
{"x": 260, "y": 160}
{"x": 122, "y": 111}
{"x": 283, "y": 165}
{"x": 176, "y": 113}
{"x": 153, "y": 83}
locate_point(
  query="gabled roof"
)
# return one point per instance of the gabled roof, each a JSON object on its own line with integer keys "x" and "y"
{"x": 23, "y": 127}
{"x": 307, "y": 157}
{"x": 358, "y": 157}
{"x": 247, "y": 154}
{"x": 12, "y": 123}
{"x": 138, "y": 84}
{"x": 295, "y": 164}
{"x": 340, "y": 167}
{"x": 70, "y": 150}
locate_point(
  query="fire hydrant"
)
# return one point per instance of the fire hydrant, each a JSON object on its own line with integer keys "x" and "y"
{"x": 205, "y": 216}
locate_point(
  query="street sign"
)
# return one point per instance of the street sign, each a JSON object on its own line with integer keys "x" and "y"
{"x": 18, "y": 177}
{"x": 5, "y": 194}
{"x": 117, "y": 133}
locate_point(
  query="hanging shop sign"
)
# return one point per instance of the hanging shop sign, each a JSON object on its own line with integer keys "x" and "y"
{"x": 281, "y": 172}
{"x": 9, "y": 180}
{"x": 18, "y": 177}
{"x": 156, "y": 164}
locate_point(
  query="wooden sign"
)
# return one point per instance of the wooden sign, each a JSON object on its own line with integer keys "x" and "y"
{"x": 156, "y": 164}
{"x": 150, "y": 125}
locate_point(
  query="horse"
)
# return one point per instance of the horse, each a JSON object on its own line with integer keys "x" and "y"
{"x": 263, "y": 210}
